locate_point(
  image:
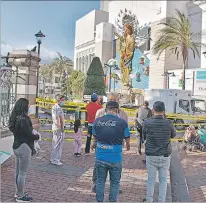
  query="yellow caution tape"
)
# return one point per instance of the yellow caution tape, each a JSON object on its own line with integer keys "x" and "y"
{"x": 130, "y": 112}
{"x": 132, "y": 140}
{"x": 133, "y": 123}
{"x": 85, "y": 131}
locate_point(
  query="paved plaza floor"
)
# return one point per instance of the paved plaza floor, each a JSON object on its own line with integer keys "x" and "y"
{"x": 194, "y": 166}
{"x": 72, "y": 182}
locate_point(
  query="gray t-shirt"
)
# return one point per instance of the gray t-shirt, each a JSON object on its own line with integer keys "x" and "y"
{"x": 143, "y": 114}
{"x": 56, "y": 112}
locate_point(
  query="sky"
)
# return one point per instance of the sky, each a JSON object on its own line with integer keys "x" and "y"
{"x": 21, "y": 20}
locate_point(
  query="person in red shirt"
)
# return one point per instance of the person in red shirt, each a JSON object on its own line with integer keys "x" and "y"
{"x": 91, "y": 108}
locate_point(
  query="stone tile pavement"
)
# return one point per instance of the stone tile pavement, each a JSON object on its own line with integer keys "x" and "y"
{"x": 194, "y": 165}
{"x": 72, "y": 181}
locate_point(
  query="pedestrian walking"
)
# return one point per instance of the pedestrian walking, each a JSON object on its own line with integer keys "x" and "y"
{"x": 158, "y": 131}
{"x": 21, "y": 127}
{"x": 144, "y": 113}
{"x": 112, "y": 96}
{"x": 77, "y": 138}
{"x": 91, "y": 108}
{"x": 109, "y": 132}
{"x": 58, "y": 131}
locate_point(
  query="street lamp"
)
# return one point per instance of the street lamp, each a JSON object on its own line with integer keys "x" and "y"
{"x": 112, "y": 63}
{"x": 39, "y": 36}
{"x": 204, "y": 53}
{"x": 168, "y": 75}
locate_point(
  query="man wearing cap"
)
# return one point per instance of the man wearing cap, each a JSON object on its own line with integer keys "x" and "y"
{"x": 158, "y": 131}
{"x": 58, "y": 131}
{"x": 91, "y": 108}
{"x": 109, "y": 132}
{"x": 112, "y": 96}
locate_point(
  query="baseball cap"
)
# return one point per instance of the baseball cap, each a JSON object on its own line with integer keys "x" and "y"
{"x": 112, "y": 105}
{"x": 159, "y": 106}
{"x": 94, "y": 97}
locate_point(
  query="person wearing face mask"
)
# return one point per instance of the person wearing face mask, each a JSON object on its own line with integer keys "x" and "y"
{"x": 58, "y": 131}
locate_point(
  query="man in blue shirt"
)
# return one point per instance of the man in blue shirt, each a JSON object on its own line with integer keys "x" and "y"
{"x": 109, "y": 132}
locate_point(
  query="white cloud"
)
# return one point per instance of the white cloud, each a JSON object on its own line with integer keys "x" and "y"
{"x": 5, "y": 48}
{"x": 45, "y": 53}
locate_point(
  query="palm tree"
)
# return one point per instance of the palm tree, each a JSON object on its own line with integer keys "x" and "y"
{"x": 176, "y": 37}
{"x": 46, "y": 73}
{"x": 61, "y": 65}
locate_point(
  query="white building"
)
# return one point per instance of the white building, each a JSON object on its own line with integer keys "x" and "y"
{"x": 94, "y": 33}
{"x": 85, "y": 38}
{"x": 50, "y": 87}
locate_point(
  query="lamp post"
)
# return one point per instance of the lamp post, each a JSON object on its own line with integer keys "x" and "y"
{"x": 112, "y": 63}
{"x": 39, "y": 36}
{"x": 168, "y": 75}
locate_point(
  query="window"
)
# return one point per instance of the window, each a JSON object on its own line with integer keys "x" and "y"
{"x": 47, "y": 80}
{"x": 198, "y": 105}
{"x": 185, "y": 105}
{"x": 57, "y": 79}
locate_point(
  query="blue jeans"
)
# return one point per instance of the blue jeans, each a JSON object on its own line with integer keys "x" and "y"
{"x": 162, "y": 165}
{"x": 102, "y": 169}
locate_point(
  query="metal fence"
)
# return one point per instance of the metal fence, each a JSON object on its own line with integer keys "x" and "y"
{"x": 7, "y": 96}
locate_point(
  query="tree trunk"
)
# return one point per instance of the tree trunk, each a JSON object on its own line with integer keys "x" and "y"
{"x": 185, "y": 64}
{"x": 183, "y": 75}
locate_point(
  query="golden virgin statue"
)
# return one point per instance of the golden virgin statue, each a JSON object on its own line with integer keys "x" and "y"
{"x": 126, "y": 48}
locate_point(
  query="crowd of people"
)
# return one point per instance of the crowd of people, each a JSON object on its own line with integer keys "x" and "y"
{"x": 110, "y": 132}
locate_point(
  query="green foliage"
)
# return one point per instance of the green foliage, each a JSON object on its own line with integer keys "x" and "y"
{"x": 60, "y": 65}
{"x": 95, "y": 78}
{"x": 76, "y": 83}
{"x": 176, "y": 37}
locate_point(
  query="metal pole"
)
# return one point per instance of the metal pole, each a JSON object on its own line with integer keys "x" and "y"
{"x": 110, "y": 79}
{"x": 168, "y": 81}
{"x": 114, "y": 84}
{"x": 37, "y": 81}
{"x": 16, "y": 82}
{"x": 67, "y": 83}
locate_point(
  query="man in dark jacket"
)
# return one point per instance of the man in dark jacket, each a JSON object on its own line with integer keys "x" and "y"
{"x": 158, "y": 132}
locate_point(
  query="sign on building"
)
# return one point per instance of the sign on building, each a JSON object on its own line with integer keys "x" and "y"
{"x": 200, "y": 83}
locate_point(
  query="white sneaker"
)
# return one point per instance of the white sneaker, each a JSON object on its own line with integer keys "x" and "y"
{"x": 58, "y": 163}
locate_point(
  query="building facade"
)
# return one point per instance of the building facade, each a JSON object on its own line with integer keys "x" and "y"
{"x": 49, "y": 87}
{"x": 101, "y": 26}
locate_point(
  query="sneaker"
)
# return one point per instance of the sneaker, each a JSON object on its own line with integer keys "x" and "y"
{"x": 79, "y": 154}
{"x": 75, "y": 154}
{"x": 58, "y": 163}
{"x": 16, "y": 194}
{"x": 25, "y": 198}
{"x": 87, "y": 154}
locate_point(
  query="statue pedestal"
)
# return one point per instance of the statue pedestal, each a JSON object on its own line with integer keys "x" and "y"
{"x": 125, "y": 94}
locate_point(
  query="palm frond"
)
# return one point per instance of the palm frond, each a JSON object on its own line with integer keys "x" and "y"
{"x": 176, "y": 36}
